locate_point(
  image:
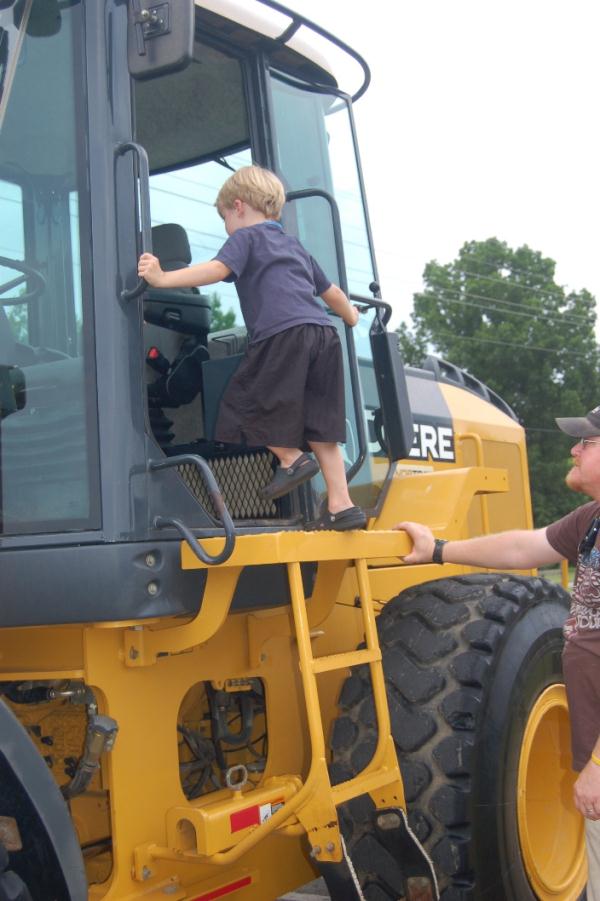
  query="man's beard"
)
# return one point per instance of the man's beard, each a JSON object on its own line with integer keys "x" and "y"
{"x": 573, "y": 479}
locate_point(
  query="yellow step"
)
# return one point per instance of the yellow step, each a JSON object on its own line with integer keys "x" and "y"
{"x": 346, "y": 659}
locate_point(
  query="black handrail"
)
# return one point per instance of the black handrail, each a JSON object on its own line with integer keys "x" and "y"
{"x": 163, "y": 522}
{"x": 384, "y": 310}
{"x": 354, "y": 380}
{"x": 299, "y": 20}
{"x": 142, "y": 208}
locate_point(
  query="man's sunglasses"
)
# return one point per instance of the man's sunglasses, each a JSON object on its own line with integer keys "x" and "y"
{"x": 584, "y": 441}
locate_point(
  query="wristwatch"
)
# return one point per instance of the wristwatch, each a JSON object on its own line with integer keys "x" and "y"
{"x": 438, "y": 549}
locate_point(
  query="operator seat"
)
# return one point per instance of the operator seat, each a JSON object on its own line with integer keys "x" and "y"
{"x": 182, "y": 310}
{"x": 172, "y": 247}
{"x": 177, "y": 322}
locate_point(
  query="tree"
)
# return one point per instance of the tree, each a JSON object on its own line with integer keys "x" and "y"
{"x": 17, "y": 316}
{"x": 218, "y": 319}
{"x": 499, "y": 314}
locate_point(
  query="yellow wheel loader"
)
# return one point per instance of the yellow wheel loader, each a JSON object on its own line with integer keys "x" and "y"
{"x": 200, "y": 698}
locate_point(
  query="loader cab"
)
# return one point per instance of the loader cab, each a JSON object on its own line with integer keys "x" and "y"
{"x": 104, "y": 384}
{"x": 235, "y": 104}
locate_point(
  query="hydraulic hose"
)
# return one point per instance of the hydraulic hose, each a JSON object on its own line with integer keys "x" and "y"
{"x": 100, "y": 737}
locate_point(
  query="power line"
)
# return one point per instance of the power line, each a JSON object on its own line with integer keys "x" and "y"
{"x": 506, "y": 281}
{"x": 392, "y": 254}
{"x": 564, "y": 317}
{"x": 500, "y": 300}
{"x": 547, "y": 350}
{"x": 513, "y": 270}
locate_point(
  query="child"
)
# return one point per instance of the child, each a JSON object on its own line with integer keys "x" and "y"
{"x": 288, "y": 391}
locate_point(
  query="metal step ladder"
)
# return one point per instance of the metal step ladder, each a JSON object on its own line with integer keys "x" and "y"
{"x": 310, "y": 807}
{"x": 381, "y": 778}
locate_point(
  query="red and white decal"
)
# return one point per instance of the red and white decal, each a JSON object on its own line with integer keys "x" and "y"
{"x": 254, "y": 816}
{"x": 225, "y": 890}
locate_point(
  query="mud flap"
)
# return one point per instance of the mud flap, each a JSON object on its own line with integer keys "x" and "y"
{"x": 341, "y": 880}
{"x": 396, "y": 836}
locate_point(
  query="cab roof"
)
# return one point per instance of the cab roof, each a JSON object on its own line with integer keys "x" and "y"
{"x": 295, "y": 43}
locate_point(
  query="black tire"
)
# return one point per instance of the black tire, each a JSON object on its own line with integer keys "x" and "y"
{"x": 465, "y": 660}
{"x": 12, "y": 887}
{"x": 50, "y": 865}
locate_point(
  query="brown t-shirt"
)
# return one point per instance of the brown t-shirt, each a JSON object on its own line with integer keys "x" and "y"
{"x": 565, "y": 535}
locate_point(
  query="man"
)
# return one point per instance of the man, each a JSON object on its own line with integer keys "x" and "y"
{"x": 576, "y": 537}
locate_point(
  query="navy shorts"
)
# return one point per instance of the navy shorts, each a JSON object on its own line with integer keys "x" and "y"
{"x": 288, "y": 390}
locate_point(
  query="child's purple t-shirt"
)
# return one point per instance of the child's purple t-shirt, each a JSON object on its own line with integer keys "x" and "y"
{"x": 276, "y": 279}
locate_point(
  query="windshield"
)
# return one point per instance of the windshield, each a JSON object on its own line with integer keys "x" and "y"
{"x": 194, "y": 125}
{"x": 187, "y": 196}
{"x": 326, "y": 159}
{"x": 48, "y": 479}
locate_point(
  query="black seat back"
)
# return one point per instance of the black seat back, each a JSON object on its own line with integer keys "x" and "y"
{"x": 172, "y": 247}
{"x": 182, "y": 310}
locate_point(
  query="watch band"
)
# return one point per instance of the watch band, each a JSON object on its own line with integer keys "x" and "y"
{"x": 438, "y": 549}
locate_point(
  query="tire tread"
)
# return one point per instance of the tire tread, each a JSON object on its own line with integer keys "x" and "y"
{"x": 439, "y": 642}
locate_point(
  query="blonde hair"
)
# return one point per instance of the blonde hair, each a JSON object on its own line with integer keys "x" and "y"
{"x": 259, "y": 188}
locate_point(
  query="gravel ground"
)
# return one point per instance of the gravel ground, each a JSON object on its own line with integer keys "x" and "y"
{"x": 313, "y": 891}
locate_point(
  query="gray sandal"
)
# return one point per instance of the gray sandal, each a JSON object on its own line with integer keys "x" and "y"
{"x": 351, "y": 518}
{"x": 287, "y": 478}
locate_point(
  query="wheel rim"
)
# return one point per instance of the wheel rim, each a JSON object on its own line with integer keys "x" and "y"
{"x": 551, "y": 831}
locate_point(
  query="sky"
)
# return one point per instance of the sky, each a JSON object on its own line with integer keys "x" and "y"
{"x": 481, "y": 121}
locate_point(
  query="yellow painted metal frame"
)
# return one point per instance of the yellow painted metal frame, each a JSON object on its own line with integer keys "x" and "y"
{"x": 141, "y": 672}
{"x": 314, "y": 805}
{"x": 441, "y": 498}
{"x": 333, "y": 551}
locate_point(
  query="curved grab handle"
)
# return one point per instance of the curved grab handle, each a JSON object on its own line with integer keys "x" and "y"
{"x": 163, "y": 522}
{"x": 304, "y": 194}
{"x": 307, "y": 193}
{"x": 298, "y": 21}
{"x": 143, "y": 198}
{"x": 382, "y": 309}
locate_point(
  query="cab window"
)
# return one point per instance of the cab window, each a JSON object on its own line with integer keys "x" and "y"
{"x": 48, "y": 444}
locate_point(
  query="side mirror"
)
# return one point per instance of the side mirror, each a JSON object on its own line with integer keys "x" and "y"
{"x": 44, "y": 19}
{"x": 160, "y": 36}
{"x": 393, "y": 393}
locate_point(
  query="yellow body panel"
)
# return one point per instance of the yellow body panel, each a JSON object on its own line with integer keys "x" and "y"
{"x": 163, "y": 845}
{"x": 161, "y": 840}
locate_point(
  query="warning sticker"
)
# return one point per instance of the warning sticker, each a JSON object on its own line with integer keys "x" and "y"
{"x": 225, "y": 889}
{"x": 254, "y": 816}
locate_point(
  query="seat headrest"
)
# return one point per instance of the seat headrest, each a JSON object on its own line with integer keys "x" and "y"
{"x": 171, "y": 245}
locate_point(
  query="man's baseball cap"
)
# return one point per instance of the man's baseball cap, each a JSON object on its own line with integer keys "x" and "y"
{"x": 587, "y": 426}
